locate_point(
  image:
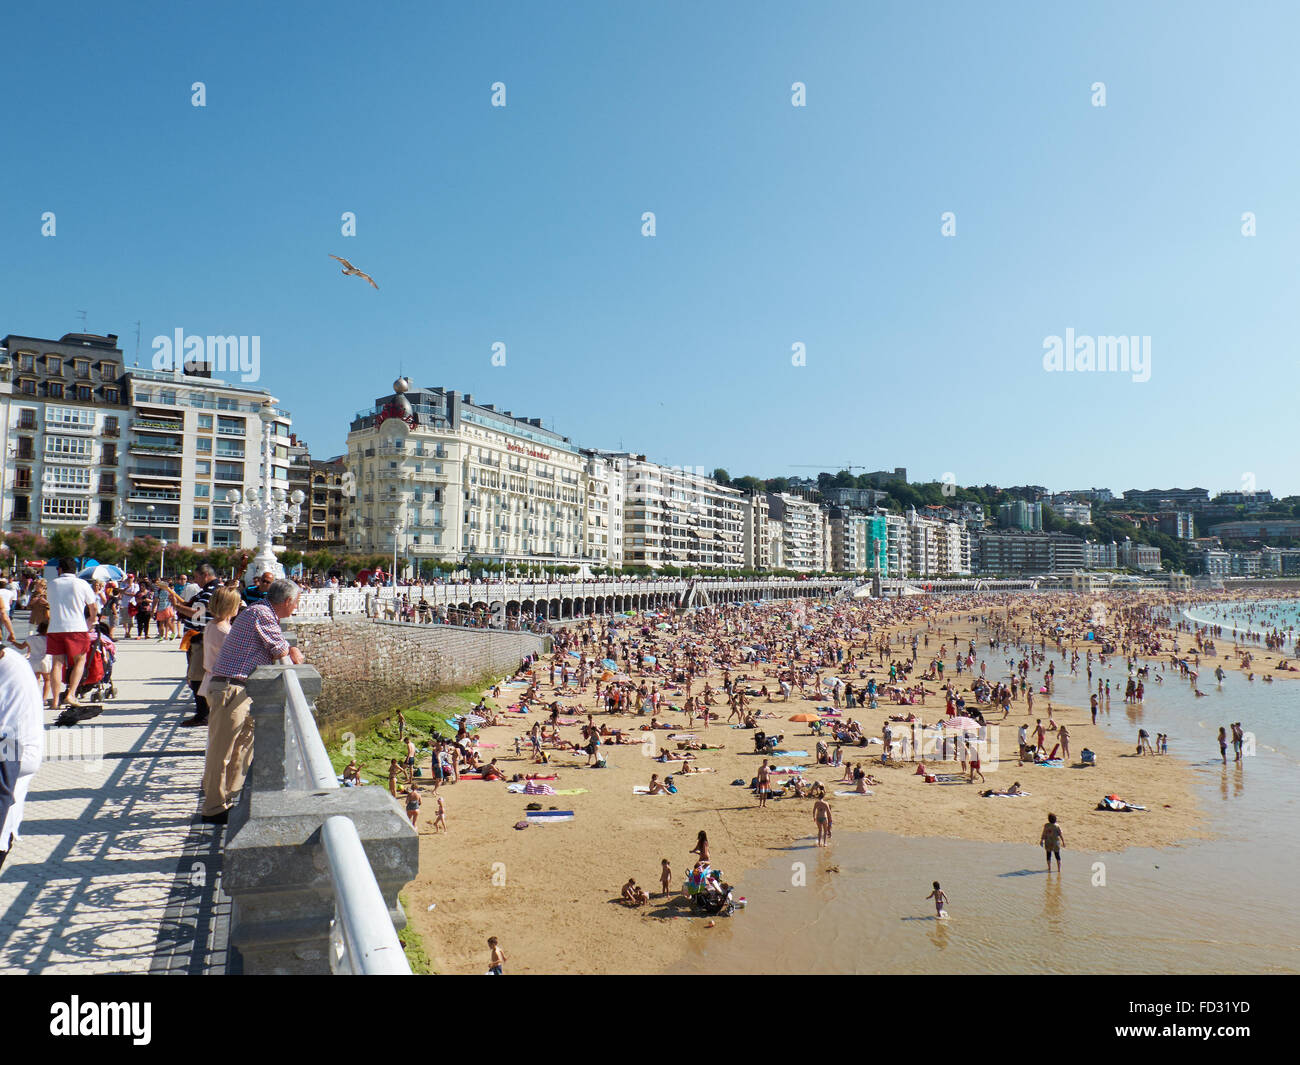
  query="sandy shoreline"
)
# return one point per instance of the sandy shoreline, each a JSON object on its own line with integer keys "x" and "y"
{"x": 551, "y": 892}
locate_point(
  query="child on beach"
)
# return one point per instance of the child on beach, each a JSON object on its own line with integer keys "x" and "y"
{"x": 440, "y": 820}
{"x": 665, "y": 876}
{"x": 497, "y": 960}
{"x": 940, "y": 900}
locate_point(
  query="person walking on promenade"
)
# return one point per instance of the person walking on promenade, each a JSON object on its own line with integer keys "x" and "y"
{"x": 194, "y": 614}
{"x": 7, "y": 599}
{"x": 73, "y": 609}
{"x": 255, "y": 639}
{"x": 22, "y": 743}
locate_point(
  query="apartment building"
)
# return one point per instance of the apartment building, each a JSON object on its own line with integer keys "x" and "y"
{"x": 602, "y": 538}
{"x": 849, "y": 533}
{"x": 192, "y": 440}
{"x": 1176, "y": 523}
{"x": 756, "y": 532}
{"x": 678, "y": 516}
{"x": 63, "y": 417}
{"x": 803, "y": 532}
{"x": 1069, "y": 510}
{"x": 1100, "y": 556}
{"x": 1021, "y": 515}
{"x": 1138, "y": 556}
{"x": 1016, "y": 553}
{"x": 1165, "y": 498}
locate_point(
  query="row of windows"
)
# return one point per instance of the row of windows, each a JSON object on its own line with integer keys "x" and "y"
{"x": 28, "y": 360}
{"x": 29, "y": 386}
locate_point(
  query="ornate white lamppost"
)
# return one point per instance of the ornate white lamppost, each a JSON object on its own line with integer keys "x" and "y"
{"x": 264, "y": 512}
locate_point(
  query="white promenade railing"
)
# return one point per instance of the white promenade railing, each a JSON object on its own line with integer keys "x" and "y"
{"x": 322, "y": 603}
{"x": 362, "y": 938}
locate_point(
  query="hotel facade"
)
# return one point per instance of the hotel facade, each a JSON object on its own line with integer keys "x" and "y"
{"x": 438, "y": 477}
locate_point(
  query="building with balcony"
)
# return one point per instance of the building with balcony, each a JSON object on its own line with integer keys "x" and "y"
{"x": 63, "y": 416}
{"x": 1134, "y": 555}
{"x": 803, "y": 532}
{"x": 323, "y": 512}
{"x": 602, "y": 539}
{"x": 1100, "y": 555}
{"x": 442, "y": 480}
{"x": 678, "y": 516}
{"x": 1017, "y": 553}
{"x": 191, "y": 439}
{"x": 1175, "y": 523}
{"x": 1069, "y": 510}
{"x": 756, "y": 532}
{"x": 1167, "y": 498}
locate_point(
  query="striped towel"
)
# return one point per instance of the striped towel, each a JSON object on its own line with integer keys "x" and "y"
{"x": 536, "y": 787}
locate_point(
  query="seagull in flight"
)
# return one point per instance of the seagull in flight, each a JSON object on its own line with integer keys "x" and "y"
{"x": 351, "y": 271}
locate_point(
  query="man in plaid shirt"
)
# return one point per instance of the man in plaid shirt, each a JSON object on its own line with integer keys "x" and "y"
{"x": 255, "y": 639}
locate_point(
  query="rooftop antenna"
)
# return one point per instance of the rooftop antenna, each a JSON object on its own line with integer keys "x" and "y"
{"x": 82, "y": 316}
{"x": 137, "y": 344}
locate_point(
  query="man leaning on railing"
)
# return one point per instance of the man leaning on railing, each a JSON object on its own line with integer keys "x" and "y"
{"x": 255, "y": 639}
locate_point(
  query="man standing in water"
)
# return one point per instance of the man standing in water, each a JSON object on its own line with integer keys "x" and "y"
{"x": 1051, "y": 840}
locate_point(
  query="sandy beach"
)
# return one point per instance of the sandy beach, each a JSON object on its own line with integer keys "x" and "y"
{"x": 551, "y": 892}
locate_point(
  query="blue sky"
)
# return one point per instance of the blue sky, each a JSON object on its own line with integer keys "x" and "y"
{"x": 775, "y": 224}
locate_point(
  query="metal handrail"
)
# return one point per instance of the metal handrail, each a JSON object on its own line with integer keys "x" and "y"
{"x": 363, "y": 940}
{"x": 314, "y": 770}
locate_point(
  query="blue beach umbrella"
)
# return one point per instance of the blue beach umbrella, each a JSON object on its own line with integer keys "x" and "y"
{"x": 102, "y": 572}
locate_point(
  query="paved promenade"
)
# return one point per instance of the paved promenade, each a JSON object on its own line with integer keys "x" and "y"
{"x": 114, "y": 873}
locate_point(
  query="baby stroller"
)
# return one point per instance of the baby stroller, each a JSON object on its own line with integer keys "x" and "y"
{"x": 713, "y": 897}
{"x": 97, "y": 679}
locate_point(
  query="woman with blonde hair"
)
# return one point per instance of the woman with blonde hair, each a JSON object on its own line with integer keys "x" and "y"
{"x": 222, "y": 607}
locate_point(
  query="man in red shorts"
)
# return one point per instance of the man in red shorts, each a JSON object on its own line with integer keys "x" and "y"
{"x": 73, "y": 609}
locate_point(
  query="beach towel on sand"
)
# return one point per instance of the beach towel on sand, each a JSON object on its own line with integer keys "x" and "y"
{"x": 643, "y": 789}
{"x": 536, "y": 787}
{"x": 854, "y": 794}
{"x": 1052, "y": 763}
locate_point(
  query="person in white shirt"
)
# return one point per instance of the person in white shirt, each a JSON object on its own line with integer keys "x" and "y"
{"x": 22, "y": 744}
{"x": 7, "y": 598}
{"x": 129, "y": 591}
{"x": 73, "y": 609}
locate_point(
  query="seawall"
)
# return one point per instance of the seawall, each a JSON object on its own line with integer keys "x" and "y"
{"x": 371, "y": 667}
